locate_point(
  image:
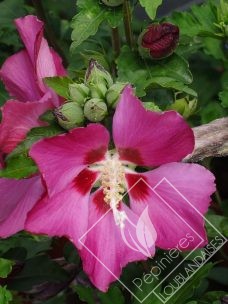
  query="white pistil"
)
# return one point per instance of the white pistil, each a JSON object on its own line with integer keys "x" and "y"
{"x": 112, "y": 181}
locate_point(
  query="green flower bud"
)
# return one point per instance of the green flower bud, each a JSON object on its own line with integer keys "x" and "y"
{"x": 96, "y": 74}
{"x": 113, "y": 93}
{"x": 95, "y": 109}
{"x": 78, "y": 92}
{"x": 149, "y": 105}
{"x": 98, "y": 91}
{"x": 184, "y": 106}
{"x": 112, "y": 3}
{"x": 69, "y": 115}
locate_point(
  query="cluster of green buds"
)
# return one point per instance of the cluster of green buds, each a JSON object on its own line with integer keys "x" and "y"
{"x": 185, "y": 106}
{"x": 91, "y": 100}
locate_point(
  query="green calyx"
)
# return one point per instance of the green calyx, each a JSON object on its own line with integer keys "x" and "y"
{"x": 69, "y": 115}
{"x": 95, "y": 110}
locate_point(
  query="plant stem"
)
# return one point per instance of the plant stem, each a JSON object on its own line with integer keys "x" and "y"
{"x": 50, "y": 35}
{"x": 116, "y": 41}
{"x": 127, "y": 22}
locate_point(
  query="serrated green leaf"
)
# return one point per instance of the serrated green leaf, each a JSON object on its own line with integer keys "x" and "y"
{"x": 87, "y": 21}
{"x": 198, "y": 20}
{"x": 59, "y": 84}
{"x": 5, "y": 267}
{"x": 151, "y": 7}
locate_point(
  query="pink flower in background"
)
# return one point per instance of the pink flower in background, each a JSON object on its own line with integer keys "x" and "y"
{"x": 17, "y": 199}
{"x": 23, "y": 75}
{"x": 71, "y": 164}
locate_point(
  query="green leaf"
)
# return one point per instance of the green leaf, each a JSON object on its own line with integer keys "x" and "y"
{"x": 186, "y": 291}
{"x": 59, "y": 84}
{"x": 18, "y": 163}
{"x": 114, "y": 16}
{"x": 37, "y": 270}
{"x": 86, "y": 294}
{"x": 175, "y": 67}
{"x": 143, "y": 292}
{"x": 170, "y": 73}
{"x": 32, "y": 245}
{"x": 9, "y": 10}
{"x": 211, "y": 111}
{"x": 198, "y": 20}
{"x": 223, "y": 96}
{"x": 34, "y": 135}
{"x": 114, "y": 296}
{"x": 18, "y": 167}
{"x": 5, "y": 295}
{"x": 151, "y": 7}
{"x": 5, "y": 267}
{"x": 218, "y": 221}
{"x": 87, "y": 21}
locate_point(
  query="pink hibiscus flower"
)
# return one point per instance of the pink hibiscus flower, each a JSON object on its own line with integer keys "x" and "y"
{"x": 100, "y": 225}
{"x": 17, "y": 199}
{"x": 23, "y": 75}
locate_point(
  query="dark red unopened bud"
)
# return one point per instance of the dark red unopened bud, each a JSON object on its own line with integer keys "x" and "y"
{"x": 159, "y": 40}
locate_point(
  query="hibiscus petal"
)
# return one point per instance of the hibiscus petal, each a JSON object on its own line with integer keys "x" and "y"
{"x": 23, "y": 73}
{"x": 61, "y": 158}
{"x": 66, "y": 213}
{"x": 30, "y": 29}
{"x": 58, "y": 64}
{"x": 18, "y": 75}
{"x": 18, "y": 118}
{"x": 149, "y": 138}
{"x": 177, "y": 196}
{"x": 16, "y": 204}
{"x": 106, "y": 252}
